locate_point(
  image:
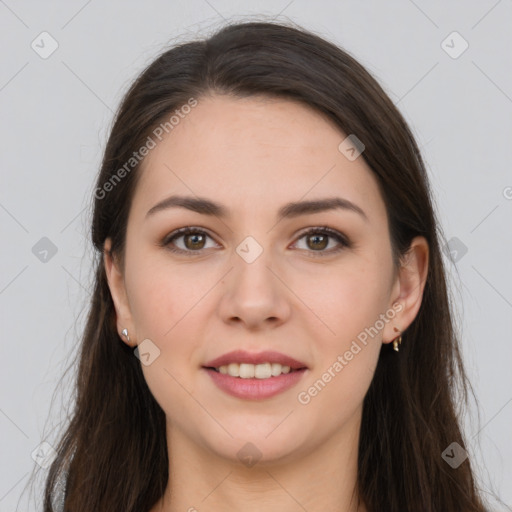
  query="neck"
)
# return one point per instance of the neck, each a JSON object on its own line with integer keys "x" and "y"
{"x": 323, "y": 479}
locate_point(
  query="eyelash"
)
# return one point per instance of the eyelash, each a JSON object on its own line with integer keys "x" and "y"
{"x": 340, "y": 238}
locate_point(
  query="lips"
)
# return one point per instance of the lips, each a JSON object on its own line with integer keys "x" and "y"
{"x": 268, "y": 356}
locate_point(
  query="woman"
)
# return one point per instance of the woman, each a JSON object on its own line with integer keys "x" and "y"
{"x": 270, "y": 325}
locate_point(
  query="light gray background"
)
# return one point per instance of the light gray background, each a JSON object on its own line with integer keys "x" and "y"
{"x": 55, "y": 117}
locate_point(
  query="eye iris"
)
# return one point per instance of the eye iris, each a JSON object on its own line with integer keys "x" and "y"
{"x": 315, "y": 238}
{"x": 196, "y": 239}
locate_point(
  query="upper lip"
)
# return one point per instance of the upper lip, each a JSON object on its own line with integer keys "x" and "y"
{"x": 267, "y": 356}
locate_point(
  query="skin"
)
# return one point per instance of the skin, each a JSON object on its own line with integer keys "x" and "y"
{"x": 254, "y": 155}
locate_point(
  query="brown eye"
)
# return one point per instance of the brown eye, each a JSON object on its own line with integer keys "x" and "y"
{"x": 187, "y": 241}
{"x": 317, "y": 242}
{"x": 194, "y": 241}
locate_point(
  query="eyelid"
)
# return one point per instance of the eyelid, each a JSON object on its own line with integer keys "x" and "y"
{"x": 343, "y": 241}
{"x": 177, "y": 233}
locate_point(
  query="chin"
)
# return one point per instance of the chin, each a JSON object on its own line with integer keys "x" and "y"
{"x": 258, "y": 443}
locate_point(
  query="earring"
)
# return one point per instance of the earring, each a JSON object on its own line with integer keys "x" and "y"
{"x": 124, "y": 332}
{"x": 397, "y": 341}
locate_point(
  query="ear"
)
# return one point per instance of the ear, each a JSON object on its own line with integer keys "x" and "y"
{"x": 408, "y": 288}
{"x": 117, "y": 287}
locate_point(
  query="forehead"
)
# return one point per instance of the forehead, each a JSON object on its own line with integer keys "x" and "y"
{"x": 253, "y": 152}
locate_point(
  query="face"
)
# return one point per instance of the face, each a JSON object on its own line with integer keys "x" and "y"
{"x": 315, "y": 289}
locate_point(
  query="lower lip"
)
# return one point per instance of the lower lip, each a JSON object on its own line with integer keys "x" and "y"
{"x": 255, "y": 389}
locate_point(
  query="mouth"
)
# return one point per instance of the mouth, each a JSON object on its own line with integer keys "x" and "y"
{"x": 255, "y": 375}
{"x": 250, "y": 365}
{"x": 254, "y": 371}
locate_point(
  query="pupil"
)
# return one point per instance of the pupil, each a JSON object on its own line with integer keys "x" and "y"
{"x": 315, "y": 239}
{"x": 195, "y": 241}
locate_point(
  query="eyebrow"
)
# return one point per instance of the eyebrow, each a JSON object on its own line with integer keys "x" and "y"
{"x": 290, "y": 210}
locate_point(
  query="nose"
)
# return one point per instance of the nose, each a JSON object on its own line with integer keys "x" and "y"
{"x": 254, "y": 294}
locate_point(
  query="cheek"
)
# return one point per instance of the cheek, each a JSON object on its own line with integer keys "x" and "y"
{"x": 166, "y": 309}
{"x": 350, "y": 302}
{"x": 347, "y": 299}
{"x": 165, "y": 305}
{"x": 163, "y": 297}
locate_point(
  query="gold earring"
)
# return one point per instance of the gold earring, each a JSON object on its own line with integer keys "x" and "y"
{"x": 397, "y": 341}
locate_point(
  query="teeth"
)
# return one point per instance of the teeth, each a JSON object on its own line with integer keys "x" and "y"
{"x": 263, "y": 371}
{"x": 233, "y": 369}
{"x": 275, "y": 369}
{"x": 250, "y": 371}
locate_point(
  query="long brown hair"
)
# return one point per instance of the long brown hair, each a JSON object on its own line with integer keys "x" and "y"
{"x": 113, "y": 454}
